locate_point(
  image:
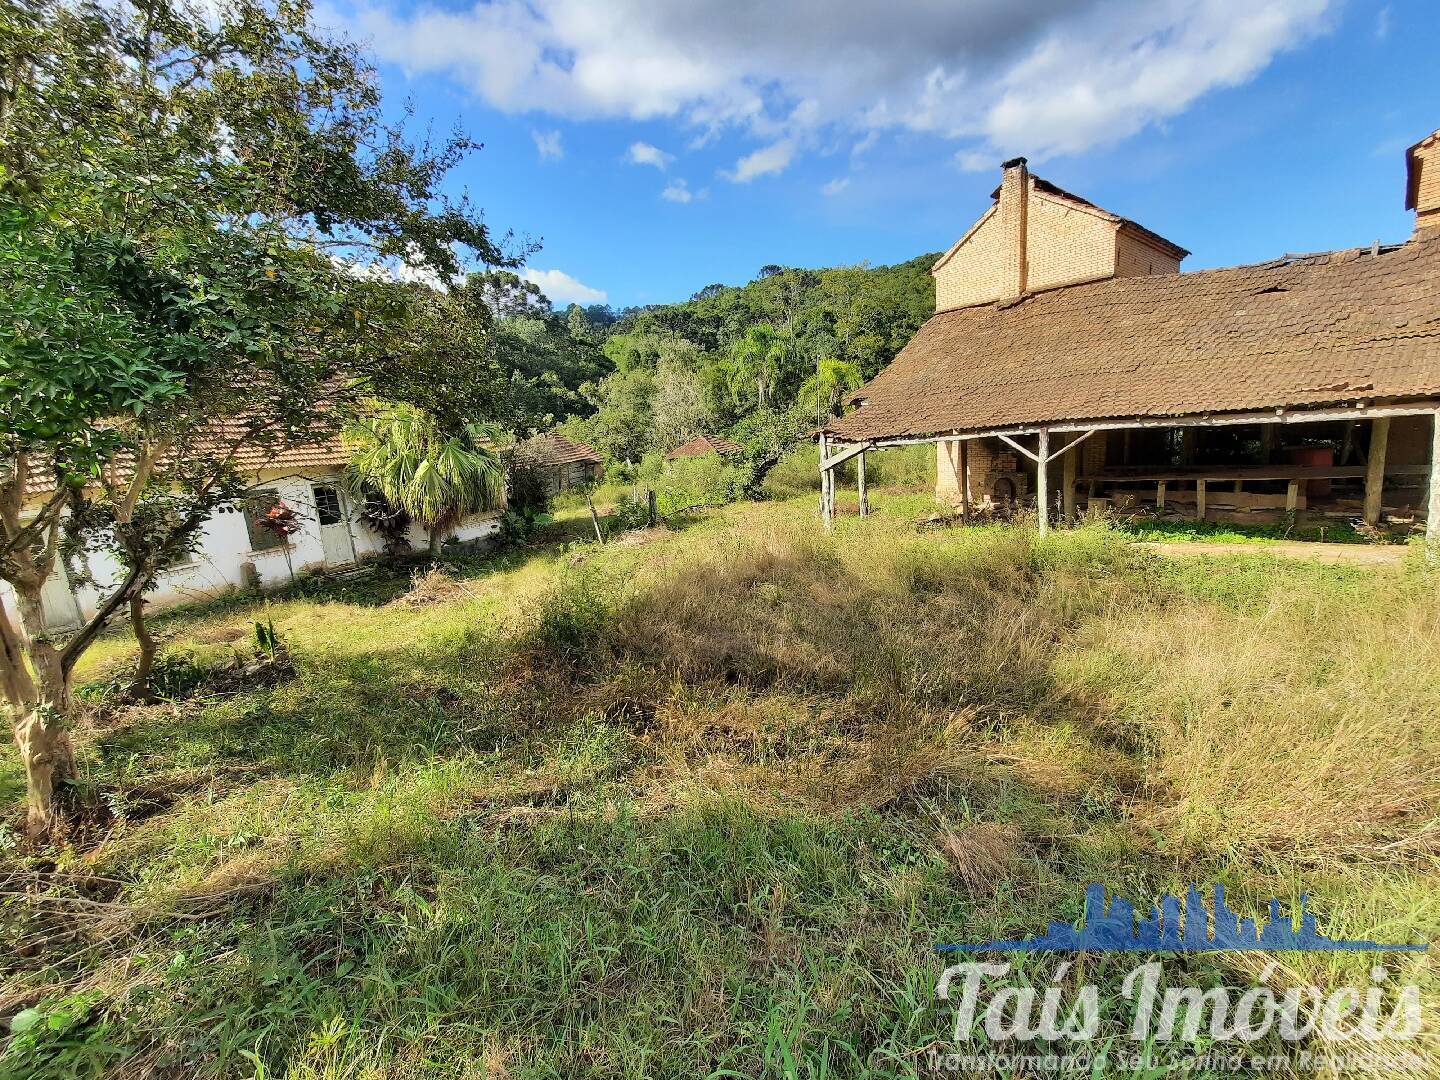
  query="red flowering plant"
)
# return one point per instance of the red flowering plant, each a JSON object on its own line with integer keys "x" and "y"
{"x": 280, "y": 520}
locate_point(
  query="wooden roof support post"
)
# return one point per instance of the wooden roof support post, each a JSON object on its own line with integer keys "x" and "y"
{"x": 826, "y": 479}
{"x": 1200, "y": 499}
{"x": 1042, "y": 478}
{"x": 1068, "y": 469}
{"x": 1375, "y": 468}
{"x": 965, "y": 481}
{"x": 1432, "y": 514}
{"x": 860, "y": 484}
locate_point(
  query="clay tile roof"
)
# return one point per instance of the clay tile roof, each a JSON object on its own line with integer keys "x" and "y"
{"x": 327, "y": 452}
{"x": 1300, "y": 331}
{"x": 701, "y": 445}
{"x": 555, "y": 449}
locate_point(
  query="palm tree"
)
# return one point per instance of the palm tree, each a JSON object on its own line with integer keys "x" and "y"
{"x": 822, "y": 391}
{"x": 435, "y": 475}
{"x": 756, "y": 357}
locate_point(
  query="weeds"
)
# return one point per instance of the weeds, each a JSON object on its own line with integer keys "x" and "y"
{"x": 704, "y": 806}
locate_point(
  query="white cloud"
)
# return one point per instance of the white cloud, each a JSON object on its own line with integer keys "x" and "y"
{"x": 869, "y": 139}
{"x": 642, "y": 153}
{"x": 1040, "y": 77}
{"x": 679, "y": 191}
{"x": 774, "y": 158}
{"x": 836, "y": 186}
{"x": 548, "y": 145}
{"x": 1382, "y": 23}
{"x": 561, "y": 288}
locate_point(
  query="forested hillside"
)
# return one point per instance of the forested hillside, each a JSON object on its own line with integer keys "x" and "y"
{"x": 760, "y": 362}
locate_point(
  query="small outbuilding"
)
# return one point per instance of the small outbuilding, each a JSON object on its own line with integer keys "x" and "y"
{"x": 704, "y": 446}
{"x": 565, "y": 463}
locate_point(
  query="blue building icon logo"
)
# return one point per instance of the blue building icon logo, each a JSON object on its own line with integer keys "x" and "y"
{"x": 1180, "y": 926}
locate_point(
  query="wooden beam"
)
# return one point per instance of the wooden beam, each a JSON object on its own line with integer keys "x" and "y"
{"x": 1432, "y": 513}
{"x": 1042, "y": 481}
{"x": 1074, "y": 443}
{"x": 964, "y": 482}
{"x": 1275, "y": 472}
{"x": 1200, "y": 499}
{"x": 860, "y": 485}
{"x": 1375, "y": 468}
{"x": 1292, "y": 496}
{"x": 1160, "y": 495}
{"x": 1271, "y": 416}
{"x": 1011, "y": 442}
{"x": 1068, "y": 468}
{"x": 844, "y": 455}
{"x": 826, "y": 478}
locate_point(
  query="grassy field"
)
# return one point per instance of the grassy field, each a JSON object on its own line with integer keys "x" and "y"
{"x": 702, "y": 803}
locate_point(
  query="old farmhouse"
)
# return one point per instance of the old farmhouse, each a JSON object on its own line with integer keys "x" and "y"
{"x": 704, "y": 446}
{"x": 236, "y": 550}
{"x": 1070, "y": 364}
{"x": 564, "y": 463}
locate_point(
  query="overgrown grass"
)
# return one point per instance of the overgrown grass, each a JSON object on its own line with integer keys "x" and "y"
{"x": 703, "y": 806}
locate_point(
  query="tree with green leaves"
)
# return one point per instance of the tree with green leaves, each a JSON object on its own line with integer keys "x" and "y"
{"x": 758, "y": 359}
{"x": 823, "y": 393}
{"x": 185, "y": 194}
{"x": 412, "y": 462}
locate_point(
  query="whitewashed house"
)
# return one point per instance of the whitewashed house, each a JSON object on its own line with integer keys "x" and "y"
{"x": 236, "y": 552}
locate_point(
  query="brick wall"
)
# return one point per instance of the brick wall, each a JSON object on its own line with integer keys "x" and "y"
{"x": 976, "y": 272}
{"x": 1136, "y": 257}
{"x": 990, "y": 461}
{"x": 1093, "y": 452}
{"x": 1425, "y": 161}
{"x": 1064, "y": 243}
{"x": 1067, "y": 244}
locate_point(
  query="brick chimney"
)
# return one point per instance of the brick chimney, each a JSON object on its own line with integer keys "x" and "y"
{"x": 1014, "y": 211}
{"x": 1422, "y": 181}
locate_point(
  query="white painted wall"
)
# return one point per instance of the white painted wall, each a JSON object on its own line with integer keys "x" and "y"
{"x": 225, "y": 548}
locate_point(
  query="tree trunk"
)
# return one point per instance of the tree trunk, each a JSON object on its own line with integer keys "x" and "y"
{"x": 15, "y": 679}
{"x": 42, "y": 724}
{"x": 435, "y": 537}
{"x": 140, "y": 685}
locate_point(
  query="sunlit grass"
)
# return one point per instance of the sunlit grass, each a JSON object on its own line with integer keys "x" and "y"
{"x": 702, "y": 803}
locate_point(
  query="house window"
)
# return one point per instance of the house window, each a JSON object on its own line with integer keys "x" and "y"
{"x": 327, "y": 505}
{"x": 183, "y": 561}
{"x": 257, "y": 505}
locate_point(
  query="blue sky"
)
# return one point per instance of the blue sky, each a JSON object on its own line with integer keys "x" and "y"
{"x": 656, "y": 147}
